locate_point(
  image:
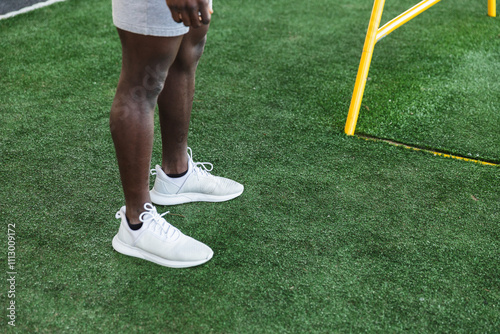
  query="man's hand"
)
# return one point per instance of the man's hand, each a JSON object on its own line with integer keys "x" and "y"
{"x": 193, "y": 13}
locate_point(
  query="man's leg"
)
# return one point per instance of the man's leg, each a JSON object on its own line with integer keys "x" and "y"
{"x": 176, "y": 100}
{"x": 175, "y": 103}
{"x": 145, "y": 63}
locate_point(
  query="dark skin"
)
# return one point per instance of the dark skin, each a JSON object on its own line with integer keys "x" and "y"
{"x": 192, "y": 13}
{"x": 156, "y": 71}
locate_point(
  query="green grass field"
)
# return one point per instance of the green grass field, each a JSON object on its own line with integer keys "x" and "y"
{"x": 333, "y": 234}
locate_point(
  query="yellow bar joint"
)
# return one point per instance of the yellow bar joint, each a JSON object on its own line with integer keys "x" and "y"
{"x": 405, "y": 17}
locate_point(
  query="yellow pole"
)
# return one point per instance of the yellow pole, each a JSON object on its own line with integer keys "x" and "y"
{"x": 364, "y": 67}
{"x": 492, "y": 8}
{"x": 405, "y": 17}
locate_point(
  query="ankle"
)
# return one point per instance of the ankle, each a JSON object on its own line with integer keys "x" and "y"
{"x": 175, "y": 163}
{"x": 133, "y": 213}
{"x": 175, "y": 170}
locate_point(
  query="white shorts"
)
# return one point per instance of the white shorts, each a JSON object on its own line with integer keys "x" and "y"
{"x": 147, "y": 17}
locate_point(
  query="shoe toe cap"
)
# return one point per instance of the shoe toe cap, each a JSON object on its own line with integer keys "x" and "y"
{"x": 228, "y": 187}
{"x": 193, "y": 250}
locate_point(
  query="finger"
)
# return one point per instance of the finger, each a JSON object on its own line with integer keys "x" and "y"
{"x": 184, "y": 19}
{"x": 194, "y": 19}
{"x": 205, "y": 15}
{"x": 176, "y": 15}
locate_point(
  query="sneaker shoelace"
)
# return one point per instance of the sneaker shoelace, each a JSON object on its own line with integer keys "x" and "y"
{"x": 158, "y": 224}
{"x": 200, "y": 168}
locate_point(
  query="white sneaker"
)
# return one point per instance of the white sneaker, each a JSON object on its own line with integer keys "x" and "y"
{"x": 198, "y": 185}
{"x": 159, "y": 242}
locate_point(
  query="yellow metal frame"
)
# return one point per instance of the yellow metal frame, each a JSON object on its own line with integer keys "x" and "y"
{"x": 376, "y": 33}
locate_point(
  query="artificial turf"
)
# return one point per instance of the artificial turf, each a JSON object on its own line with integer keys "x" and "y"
{"x": 332, "y": 233}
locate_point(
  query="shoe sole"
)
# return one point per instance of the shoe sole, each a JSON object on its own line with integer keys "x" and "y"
{"x": 161, "y": 199}
{"x": 125, "y": 249}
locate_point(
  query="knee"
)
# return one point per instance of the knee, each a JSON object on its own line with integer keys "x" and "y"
{"x": 198, "y": 49}
{"x": 135, "y": 98}
{"x": 189, "y": 55}
{"x": 153, "y": 80}
{"x": 140, "y": 87}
